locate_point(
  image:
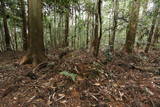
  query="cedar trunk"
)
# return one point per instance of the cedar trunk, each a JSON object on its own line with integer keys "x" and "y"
{"x": 153, "y": 29}
{"x": 66, "y": 42}
{"x": 156, "y": 36}
{"x": 98, "y": 30}
{"x": 24, "y": 27}
{"x": 36, "y": 52}
{"x": 115, "y": 15}
{"x": 132, "y": 27}
{"x": 87, "y": 39}
{"x": 7, "y": 35}
{"x": 6, "y": 29}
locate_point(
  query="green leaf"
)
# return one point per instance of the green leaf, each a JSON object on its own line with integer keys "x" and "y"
{"x": 68, "y": 74}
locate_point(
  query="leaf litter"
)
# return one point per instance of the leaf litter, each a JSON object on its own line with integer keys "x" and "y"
{"x": 80, "y": 80}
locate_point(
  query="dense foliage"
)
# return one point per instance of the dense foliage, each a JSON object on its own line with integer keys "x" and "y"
{"x": 81, "y": 24}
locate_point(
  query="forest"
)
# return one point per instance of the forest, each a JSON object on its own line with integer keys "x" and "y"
{"x": 79, "y": 53}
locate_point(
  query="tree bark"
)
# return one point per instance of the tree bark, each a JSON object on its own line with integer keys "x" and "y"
{"x": 15, "y": 37}
{"x": 156, "y": 36}
{"x": 24, "y": 27}
{"x": 50, "y": 34}
{"x": 98, "y": 30}
{"x": 114, "y": 27}
{"x": 144, "y": 13}
{"x": 75, "y": 30}
{"x": 157, "y": 32}
{"x": 132, "y": 27}
{"x": 2, "y": 37}
{"x": 66, "y": 32}
{"x": 36, "y": 52}
{"x": 88, "y": 23}
{"x": 6, "y": 29}
{"x": 152, "y": 30}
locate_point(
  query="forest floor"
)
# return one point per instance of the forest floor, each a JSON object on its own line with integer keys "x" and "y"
{"x": 79, "y": 80}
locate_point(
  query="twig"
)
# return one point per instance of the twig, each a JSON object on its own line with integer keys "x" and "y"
{"x": 60, "y": 98}
{"x": 31, "y": 99}
{"x": 149, "y": 91}
{"x": 94, "y": 97}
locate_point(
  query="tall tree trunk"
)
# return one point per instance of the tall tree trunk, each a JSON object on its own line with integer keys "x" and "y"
{"x": 144, "y": 13}
{"x": 2, "y": 44}
{"x": 152, "y": 30}
{"x": 88, "y": 22}
{"x": 157, "y": 32}
{"x": 36, "y": 52}
{"x": 6, "y": 29}
{"x": 7, "y": 35}
{"x": 59, "y": 39}
{"x": 132, "y": 27}
{"x": 149, "y": 40}
{"x": 98, "y": 30}
{"x": 156, "y": 36}
{"x": 15, "y": 36}
{"x": 66, "y": 32}
{"x": 114, "y": 27}
{"x": 55, "y": 29}
{"x": 24, "y": 27}
{"x": 72, "y": 22}
{"x": 75, "y": 30}
{"x": 50, "y": 34}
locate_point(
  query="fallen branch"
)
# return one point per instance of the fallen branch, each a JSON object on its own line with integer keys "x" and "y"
{"x": 147, "y": 68}
{"x": 10, "y": 90}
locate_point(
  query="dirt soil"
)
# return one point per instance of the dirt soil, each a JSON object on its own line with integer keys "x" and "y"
{"x": 79, "y": 80}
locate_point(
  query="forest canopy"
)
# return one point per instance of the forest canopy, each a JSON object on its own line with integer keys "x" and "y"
{"x": 73, "y": 22}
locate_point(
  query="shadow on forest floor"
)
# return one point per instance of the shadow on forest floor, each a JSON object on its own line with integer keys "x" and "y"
{"x": 78, "y": 79}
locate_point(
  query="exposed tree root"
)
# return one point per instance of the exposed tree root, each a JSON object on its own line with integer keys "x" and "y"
{"x": 33, "y": 59}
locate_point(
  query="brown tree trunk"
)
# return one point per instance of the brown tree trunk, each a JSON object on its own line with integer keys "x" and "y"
{"x": 55, "y": 29}
{"x": 66, "y": 32}
{"x": 24, "y": 27}
{"x": 7, "y": 35}
{"x": 50, "y": 34}
{"x": 98, "y": 30}
{"x": 149, "y": 40}
{"x": 36, "y": 52}
{"x": 87, "y": 38}
{"x": 132, "y": 27}
{"x": 2, "y": 44}
{"x": 152, "y": 31}
{"x": 59, "y": 39}
{"x": 6, "y": 29}
{"x": 114, "y": 27}
{"x": 156, "y": 36}
{"x": 15, "y": 37}
{"x": 75, "y": 30}
{"x": 144, "y": 13}
{"x": 157, "y": 32}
